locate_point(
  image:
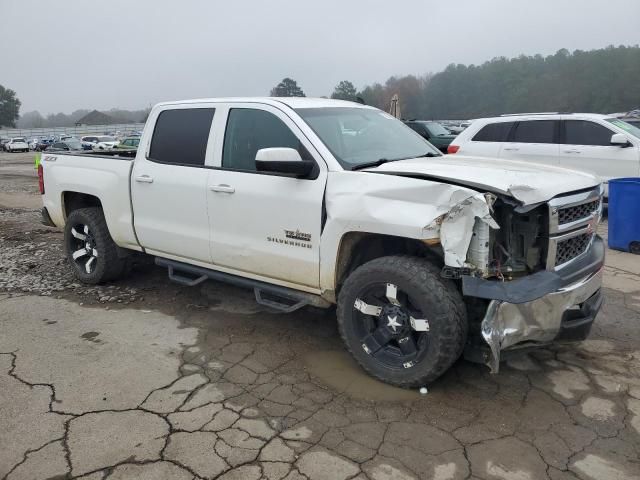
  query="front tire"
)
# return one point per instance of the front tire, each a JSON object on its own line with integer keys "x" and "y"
{"x": 91, "y": 251}
{"x": 402, "y": 322}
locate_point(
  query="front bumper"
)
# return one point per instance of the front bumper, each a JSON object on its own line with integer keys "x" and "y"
{"x": 564, "y": 314}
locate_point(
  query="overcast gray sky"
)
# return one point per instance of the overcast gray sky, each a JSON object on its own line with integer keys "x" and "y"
{"x": 68, "y": 54}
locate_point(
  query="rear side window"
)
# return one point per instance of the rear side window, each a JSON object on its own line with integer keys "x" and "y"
{"x": 493, "y": 132}
{"x": 249, "y": 130}
{"x": 180, "y": 136}
{"x": 535, "y": 131}
{"x": 582, "y": 132}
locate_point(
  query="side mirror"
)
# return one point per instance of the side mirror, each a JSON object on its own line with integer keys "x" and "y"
{"x": 620, "y": 139}
{"x": 283, "y": 160}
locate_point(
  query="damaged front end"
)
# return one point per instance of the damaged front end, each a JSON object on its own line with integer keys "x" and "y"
{"x": 531, "y": 274}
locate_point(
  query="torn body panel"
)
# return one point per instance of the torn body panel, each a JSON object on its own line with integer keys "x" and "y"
{"x": 528, "y": 183}
{"x": 399, "y": 206}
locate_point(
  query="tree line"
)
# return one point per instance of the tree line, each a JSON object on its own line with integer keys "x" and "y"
{"x": 603, "y": 81}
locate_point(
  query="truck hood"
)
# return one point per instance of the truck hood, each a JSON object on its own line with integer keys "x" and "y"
{"x": 528, "y": 183}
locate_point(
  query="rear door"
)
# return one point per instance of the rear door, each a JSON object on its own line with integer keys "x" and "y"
{"x": 486, "y": 142}
{"x": 535, "y": 141}
{"x": 264, "y": 225}
{"x": 169, "y": 185}
{"x": 587, "y": 147}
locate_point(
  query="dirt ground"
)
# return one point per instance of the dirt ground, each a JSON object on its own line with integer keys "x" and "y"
{"x": 144, "y": 379}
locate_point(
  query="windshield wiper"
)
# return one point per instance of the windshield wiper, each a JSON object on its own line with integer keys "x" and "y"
{"x": 375, "y": 163}
{"x": 380, "y": 161}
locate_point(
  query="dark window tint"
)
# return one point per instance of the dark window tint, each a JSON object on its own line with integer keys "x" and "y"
{"x": 248, "y": 131}
{"x": 494, "y": 132}
{"x": 535, "y": 131}
{"x": 180, "y": 136}
{"x": 418, "y": 127}
{"x": 582, "y": 132}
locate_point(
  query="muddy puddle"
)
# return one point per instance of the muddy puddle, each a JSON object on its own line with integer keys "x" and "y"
{"x": 338, "y": 370}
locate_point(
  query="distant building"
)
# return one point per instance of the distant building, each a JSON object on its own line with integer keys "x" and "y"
{"x": 95, "y": 118}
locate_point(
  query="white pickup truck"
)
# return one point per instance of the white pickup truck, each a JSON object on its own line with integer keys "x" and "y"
{"x": 321, "y": 202}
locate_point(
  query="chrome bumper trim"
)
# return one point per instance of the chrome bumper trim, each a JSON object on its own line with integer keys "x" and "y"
{"x": 539, "y": 321}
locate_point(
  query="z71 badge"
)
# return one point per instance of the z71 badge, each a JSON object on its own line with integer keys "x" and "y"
{"x": 298, "y": 235}
{"x": 293, "y": 238}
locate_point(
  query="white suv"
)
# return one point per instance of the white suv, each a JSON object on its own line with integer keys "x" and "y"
{"x": 18, "y": 144}
{"x": 599, "y": 144}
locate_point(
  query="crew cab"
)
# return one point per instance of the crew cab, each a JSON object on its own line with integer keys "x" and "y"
{"x": 325, "y": 202}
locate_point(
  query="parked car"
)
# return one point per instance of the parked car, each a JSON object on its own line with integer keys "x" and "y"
{"x": 605, "y": 146}
{"x": 129, "y": 143}
{"x": 632, "y": 117}
{"x": 89, "y": 141}
{"x": 457, "y": 127}
{"x": 17, "y": 144}
{"x": 43, "y": 143}
{"x": 435, "y": 133}
{"x": 3, "y": 142}
{"x": 70, "y": 144}
{"x": 105, "y": 142}
{"x": 33, "y": 143}
{"x": 404, "y": 240}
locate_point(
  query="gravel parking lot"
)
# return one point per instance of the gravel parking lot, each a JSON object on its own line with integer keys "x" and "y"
{"x": 146, "y": 379}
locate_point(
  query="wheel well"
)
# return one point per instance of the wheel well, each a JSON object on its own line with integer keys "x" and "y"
{"x": 357, "y": 248}
{"x": 74, "y": 200}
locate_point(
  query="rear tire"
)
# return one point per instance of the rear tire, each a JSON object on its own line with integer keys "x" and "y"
{"x": 411, "y": 358}
{"x": 87, "y": 238}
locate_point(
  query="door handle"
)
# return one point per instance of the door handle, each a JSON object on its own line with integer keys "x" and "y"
{"x": 144, "y": 179}
{"x": 222, "y": 188}
{"x": 511, "y": 149}
{"x": 571, "y": 151}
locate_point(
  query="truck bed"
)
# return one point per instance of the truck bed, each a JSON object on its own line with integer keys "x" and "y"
{"x": 92, "y": 174}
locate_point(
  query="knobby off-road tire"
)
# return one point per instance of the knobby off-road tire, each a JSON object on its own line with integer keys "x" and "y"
{"x": 107, "y": 264}
{"x": 425, "y": 290}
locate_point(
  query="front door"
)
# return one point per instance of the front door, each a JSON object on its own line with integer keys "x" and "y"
{"x": 169, "y": 186}
{"x": 264, "y": 225}
{"x": 587, "y": 147}
{"x": 533, "y": 141}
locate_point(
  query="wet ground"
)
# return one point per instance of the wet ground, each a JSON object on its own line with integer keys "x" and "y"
{"x": 146, "y": 379}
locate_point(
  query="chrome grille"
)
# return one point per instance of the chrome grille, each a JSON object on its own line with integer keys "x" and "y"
{"x": 577, "y": 212}
{"x": 573, "y": 219}
{"x": 572, "y": 247}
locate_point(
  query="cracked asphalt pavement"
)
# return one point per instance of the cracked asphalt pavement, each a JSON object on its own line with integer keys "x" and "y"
{"x": 143, "y": 379}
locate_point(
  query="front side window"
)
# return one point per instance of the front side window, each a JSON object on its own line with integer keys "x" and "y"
{"x": 493, "y": 132}
{"x": 583, "y": 132}
{"x": 249, "y": 130}
{"x": 359, "y": 136}
{"x": 535, "y": 131}
{"x": 180, "y": 136}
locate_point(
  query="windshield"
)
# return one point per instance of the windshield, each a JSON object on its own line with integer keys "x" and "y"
{"x": 106, "y": 139}
{"x": 627, "y": 127}
{"x": 436, "y": 130}
{"x": 358, "y": 136}
{"x": 19, "y": 139}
